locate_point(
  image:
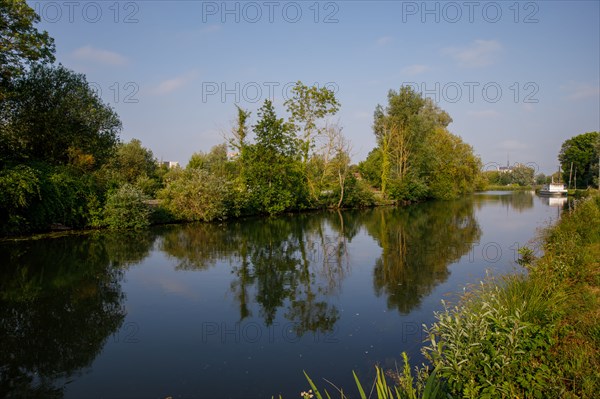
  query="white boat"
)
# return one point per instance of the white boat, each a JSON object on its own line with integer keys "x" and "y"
{"x": 553, "y": 190}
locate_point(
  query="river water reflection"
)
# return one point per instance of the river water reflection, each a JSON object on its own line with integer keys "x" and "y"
{"x": 239, "y": 309}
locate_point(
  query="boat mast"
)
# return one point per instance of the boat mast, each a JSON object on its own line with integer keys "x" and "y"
{"x": 570, "y": 174}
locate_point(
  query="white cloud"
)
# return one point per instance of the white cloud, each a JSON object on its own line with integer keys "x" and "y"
{"x": 581, "y": 91}
{"x": 173, "y": 84}
{"x": 480, "y": 53}
{"x": 106, "y": 57}
{"x": 415, "y": 69}
{"x": 383, "y": 41}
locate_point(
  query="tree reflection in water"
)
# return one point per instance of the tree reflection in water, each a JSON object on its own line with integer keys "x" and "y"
{"x": 296, "y": 263}
{"x": 517, "y": 200}
{"x": 60, "y": 300}
{"x": 284, "y": 262}
{"x": 418, "y": 243}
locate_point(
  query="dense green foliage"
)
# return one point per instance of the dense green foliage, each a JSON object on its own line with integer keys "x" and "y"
{"x": 370, "y": 168}
{"x": 273, "y": 173}
{"x": 53, "y": 115}
{"x": 126, "y": 209}
{"x": 55, "y": 135}
{"x": 196, "y": 194}
{"x": 59, "y": 151}
{"x": 32, "y": 197}
{"x": 416, "y": 156}
{"x": 21, "y": 44}
{"x": 132, "y": 164}
{"x": 579, "y": 157}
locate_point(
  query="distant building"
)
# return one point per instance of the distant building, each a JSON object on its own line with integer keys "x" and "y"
{"x": 170, "y": 164}
{"x": 505, "y": 169}
{"x": 232, "y": 155}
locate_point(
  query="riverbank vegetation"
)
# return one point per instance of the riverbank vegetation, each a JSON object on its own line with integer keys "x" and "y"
{"x": 579, "y": 159}
{"x": 532, "y": 334}
{"x": 62, "y": 164}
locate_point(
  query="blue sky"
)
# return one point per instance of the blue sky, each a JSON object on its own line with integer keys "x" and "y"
{"x": 518, "y": 78}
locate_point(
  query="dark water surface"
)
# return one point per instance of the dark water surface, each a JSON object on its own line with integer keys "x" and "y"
{"x": 238, "y": 310}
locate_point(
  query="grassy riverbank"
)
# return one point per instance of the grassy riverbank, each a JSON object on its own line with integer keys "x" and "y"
{"x": 525, "y": 335}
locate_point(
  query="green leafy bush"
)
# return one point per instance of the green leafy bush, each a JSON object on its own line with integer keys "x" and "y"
{"x": 33, "y": 197}
{"x": 356, "y": 194}
{"x": 126, "y": 209}
{"x": 495, "y": 343}
{"x": 410, "y": 189}
{"x": 196, "y": 195}
{"x": 19, "y": 187}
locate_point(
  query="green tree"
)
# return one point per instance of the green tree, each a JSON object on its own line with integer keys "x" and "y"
{"x": 453, "y": 168}
{"x": 404, "y": 131}
{"x": 134, "y": 164}
{"x": 273, "y": 170}
{"x": 370, "y": 168}
{"x": 582, "y": 152}
{"x": 522, "y": 175}
{"x": 541, "y": 178}
{"x": 54, "y": 115}
{"x": 21, "y": 44}
{"x": 329, "y": 167}
{"x": 240, "y": 130}
{"x": 215, "y": 161}
{"x": 306, "y": 106}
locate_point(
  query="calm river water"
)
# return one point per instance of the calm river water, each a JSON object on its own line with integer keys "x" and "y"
{"x": 240, "y": 309}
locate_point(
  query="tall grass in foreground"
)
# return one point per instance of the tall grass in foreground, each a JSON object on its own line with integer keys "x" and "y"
{"x": 534, "y": 335}
{"x": 425, "y": 386}
{"x": 531, "y": 335}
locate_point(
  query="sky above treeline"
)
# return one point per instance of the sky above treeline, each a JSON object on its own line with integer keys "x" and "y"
{"x": 517, "y": 77}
